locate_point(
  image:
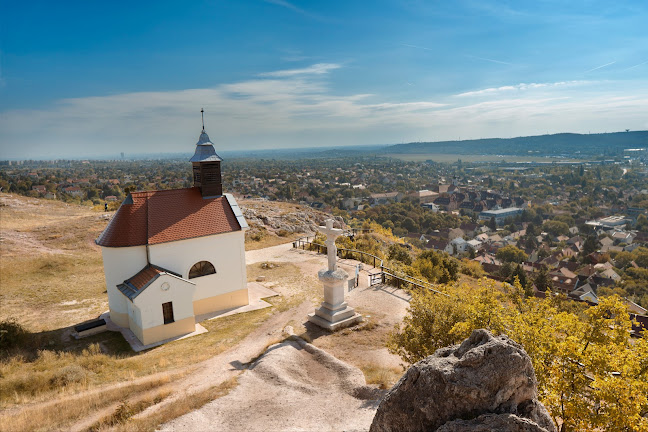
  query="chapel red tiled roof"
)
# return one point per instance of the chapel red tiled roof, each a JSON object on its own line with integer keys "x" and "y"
{"x": 134, "y": 286}
{"x": 144, "y": 276}
{"x": 162, "y": 216}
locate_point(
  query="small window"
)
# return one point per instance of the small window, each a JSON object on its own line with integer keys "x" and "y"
{"x": 202, "y": 268}
{"x": 167, "y": 312}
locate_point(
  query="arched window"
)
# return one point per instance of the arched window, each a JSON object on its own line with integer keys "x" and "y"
{"x": 202, "y": 268}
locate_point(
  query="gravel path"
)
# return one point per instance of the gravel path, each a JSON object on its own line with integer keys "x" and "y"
{"x": 294, "y": 386}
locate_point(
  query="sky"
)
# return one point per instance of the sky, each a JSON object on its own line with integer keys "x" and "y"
{"x": 88, "y": 79}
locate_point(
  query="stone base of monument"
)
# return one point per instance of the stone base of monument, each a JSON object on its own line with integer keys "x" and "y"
{"x": 334, "y": 320}
{"x": 334, "y": 313}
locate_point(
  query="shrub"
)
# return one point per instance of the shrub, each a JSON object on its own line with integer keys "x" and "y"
{"x": 472, "y": 268}
{"x": 12, "y": 334}
{"x": 69, "y": 374}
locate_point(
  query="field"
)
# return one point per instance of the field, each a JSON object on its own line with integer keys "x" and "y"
{"x": 449, "y": 158}
{"x": 51, "y": 277}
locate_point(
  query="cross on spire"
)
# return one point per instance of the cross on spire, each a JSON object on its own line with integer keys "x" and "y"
{"x": 202, "y": 115}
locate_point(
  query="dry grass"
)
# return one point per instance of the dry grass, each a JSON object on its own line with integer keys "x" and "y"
{"x": 54, "y": 279}
{"x": 176, "y": 409}
{"x": 67, "y": 410}
{"x": 384, "y": 377}
{"x": 270, "y": 239}
{"x": 60, "y": 371}
{"x": 51, "y": 271}
{"x": 129, "y": 408}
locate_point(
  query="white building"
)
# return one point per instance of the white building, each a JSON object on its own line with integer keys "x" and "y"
{"x": 500, "y": 215}
{"x": 173, "y": 255}
{"x": 457, "y": 246}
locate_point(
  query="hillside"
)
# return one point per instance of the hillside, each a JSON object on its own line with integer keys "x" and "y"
{"x": 557, "y": 144}
{"x": 52, "y": 278}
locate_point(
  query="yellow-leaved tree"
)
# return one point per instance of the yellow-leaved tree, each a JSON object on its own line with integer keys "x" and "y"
{"x": 591, "y": 374}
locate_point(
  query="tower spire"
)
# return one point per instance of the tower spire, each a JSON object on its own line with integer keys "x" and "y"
{"x": 202, "y": 116}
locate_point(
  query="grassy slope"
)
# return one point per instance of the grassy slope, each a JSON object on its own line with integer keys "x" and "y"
{"x": 51, "y": 277}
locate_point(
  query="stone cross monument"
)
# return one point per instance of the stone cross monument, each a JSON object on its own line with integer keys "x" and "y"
{"x": 334, "y": 313}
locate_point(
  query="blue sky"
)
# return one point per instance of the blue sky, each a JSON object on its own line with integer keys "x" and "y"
{"x": 98, "y": 78}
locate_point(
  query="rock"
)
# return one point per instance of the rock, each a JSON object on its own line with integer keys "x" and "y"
{"x": 492, "y": 422}
{"x": 483, "y": 375}
{"x": 260, "y": 278}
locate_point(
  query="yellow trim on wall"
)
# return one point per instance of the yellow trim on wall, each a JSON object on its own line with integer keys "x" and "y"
{"x": 121, "y": 319}
{"x": 165, "y": 331}
{"x": 221, "y": 302}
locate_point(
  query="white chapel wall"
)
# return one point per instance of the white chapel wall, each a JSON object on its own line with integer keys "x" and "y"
{"x": 121, "y": 264}
{"x": 225, "y": 251}
{"x": 149, "y": 302}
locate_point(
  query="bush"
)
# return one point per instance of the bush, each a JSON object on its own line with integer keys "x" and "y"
{"x": 591, "y": 375}
{"x": 472, "y": 268}
{"x": 256, "y": 235}
{"x": 68, "y": 375}
{"x": 12, "y": 334}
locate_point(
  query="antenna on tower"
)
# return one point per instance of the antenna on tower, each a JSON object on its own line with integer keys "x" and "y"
{"x": 202, "y": 115}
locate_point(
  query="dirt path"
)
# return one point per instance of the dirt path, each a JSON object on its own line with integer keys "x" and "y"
{"x": 382, "y": 307}
{"x": 301, "y": 386}
{"x": 293, "y": 386}
{"x": 230, "y": 363}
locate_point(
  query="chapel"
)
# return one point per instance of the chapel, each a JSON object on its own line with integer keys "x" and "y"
{"x": 172, "y": 257}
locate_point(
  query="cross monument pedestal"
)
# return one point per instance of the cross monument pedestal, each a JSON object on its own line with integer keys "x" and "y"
{"x": 334, "y": 313}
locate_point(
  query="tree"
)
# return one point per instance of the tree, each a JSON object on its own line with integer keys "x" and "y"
{"x": 556, "y": 228}
{"x": 642, "y": 223}
{"x": 518, "y": 275}
{"x": 511, "y": 253}
{"x": 591, "y": 376}
{"x": 400, "y": 253}
{"x": 542, "y": 280}
{"x": 590, "y": 245}
{"x": 492, "y": 224}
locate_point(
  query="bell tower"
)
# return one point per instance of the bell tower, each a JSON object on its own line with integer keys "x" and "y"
{"x": 206, "y": 166}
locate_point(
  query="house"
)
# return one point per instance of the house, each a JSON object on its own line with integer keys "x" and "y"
{"x": 424, "y": 196}
{"x": 457, "y": 246}
{"x": 474, "y": 244}
{"x": 171, "y": 256}
{"x": 623, "y": 237}
{"x": 384, "y": 198}
{"x": 585, "y": 293}
{"x": 500, "y": 215}
{"x": 436, "y": 244}
{"x": 431, "y": 206}
{"x": 73, "y": 190}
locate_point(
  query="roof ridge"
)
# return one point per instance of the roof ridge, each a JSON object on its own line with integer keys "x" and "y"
{"x": 166, "y": 191}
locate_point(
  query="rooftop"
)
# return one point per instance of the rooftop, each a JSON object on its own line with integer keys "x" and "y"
{"x": 147, "y": 218}
{"x": 132, "y": 287}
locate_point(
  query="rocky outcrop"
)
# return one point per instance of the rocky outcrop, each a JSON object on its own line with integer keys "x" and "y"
{"x": 276, "y": 217}
{"x": 493, "y": 422}
{"x": 486, "y": 383}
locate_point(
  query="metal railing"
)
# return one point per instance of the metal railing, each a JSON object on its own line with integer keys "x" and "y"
{"x": 386, "y": 274}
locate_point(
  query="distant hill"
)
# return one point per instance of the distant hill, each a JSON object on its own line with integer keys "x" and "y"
{"x": 557, "y": 144}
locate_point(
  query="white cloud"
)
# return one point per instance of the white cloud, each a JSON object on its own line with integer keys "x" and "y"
{"x": 316, "y": 69}
{"x": 522, "y": 87}
{"x": 300, "y": 109}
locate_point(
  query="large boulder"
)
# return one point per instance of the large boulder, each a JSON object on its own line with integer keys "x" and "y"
{"x": 493, "y": 422}
{"x": 483, "y": 375}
